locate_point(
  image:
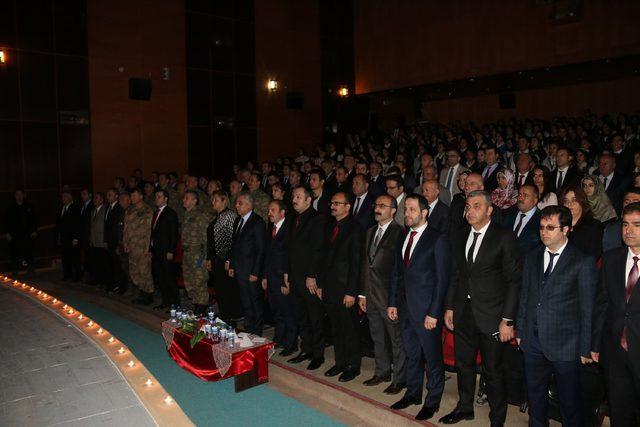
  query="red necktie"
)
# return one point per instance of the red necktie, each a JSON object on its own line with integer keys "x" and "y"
{"x": 155, "y": 218}
{"x": 634, "y": 274}
{"x": 407, "y": 250}
{"x": 334, "y": 233}
{"x": 274, "y": 231}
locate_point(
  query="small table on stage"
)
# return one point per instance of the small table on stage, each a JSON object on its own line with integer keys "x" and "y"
{"x": 209, "y": 361}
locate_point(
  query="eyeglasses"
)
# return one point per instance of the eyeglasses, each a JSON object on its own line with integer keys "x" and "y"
{"x": 337, "y": 203}
{"x": 549, "y": 227}
{"x": 381, "y": 205}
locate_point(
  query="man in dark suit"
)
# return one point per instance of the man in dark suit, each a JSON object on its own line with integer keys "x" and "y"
{"x": 378, "y": 260}
{"x": 304, "y": 248}
{"x": 419, "y": 284}
{"x": 286, "y": 331}
{"x": 438, "y": 218}
{"x": 616, "y": 336}
{"x": 362, "y": 209}
{"x": 113, "y": 221}
{"x": 613, "y": 181}
{"x": 86, "y": 196}
{"x": 612, "y": 236}
{"x": 554, "y": 318}
{"x": 21, "y": 229}
{"x": 457, "y": 219}
{"x": 490, "y": 171}
{"x": 482, "y": 304}
{"x": 321, "y": 194}
{"x": 164, "y": 238}
{"x": 245, "y": 261}
{"x": 524, "y": 165}
{"x": 68, "y": 237}
{"x": 524, "y": 218}
{"x": 339, "y": 287}
{"x": 565, "y": 174}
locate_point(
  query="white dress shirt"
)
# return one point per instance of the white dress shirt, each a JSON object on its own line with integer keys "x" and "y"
{"x": 629, "y": 265}
{"x": 547, "y": 257}
{"x": 419, "y": 232}
{"x": 432, "y": 206}
{"x": 525, "y": 220}
{"x": 482, "y": 232}
{"x": 358, "y": 203}
{"x": 609, "y": 178}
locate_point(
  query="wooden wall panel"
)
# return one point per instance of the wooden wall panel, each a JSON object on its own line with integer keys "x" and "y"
{"x": 410, "y": 42}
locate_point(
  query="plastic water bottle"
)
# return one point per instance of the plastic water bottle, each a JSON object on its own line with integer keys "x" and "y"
{"x": 173, "y": 312}
{"x": 223, "y": 335}
{"x": 231, "y": 340}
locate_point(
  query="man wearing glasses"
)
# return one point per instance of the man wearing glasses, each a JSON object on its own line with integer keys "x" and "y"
{"x": 554, "y": 318}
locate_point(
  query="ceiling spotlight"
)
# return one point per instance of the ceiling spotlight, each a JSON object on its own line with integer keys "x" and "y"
{"x": 90, "y": 323}
{"x": 272, "y": 85}
{"x": 3, "y": 57}
{"x": 131, "y": 363}
{"x": 343, "y": 91}
{"x": 100, "y": 330}
{"x": 168, "y": 400}
{"x": 121, "y": 350}
{"x": 148, "y": 383}
{"x": 111, "y": 339}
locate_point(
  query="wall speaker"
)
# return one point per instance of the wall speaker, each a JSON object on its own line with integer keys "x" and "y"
{"x": 507, "y": 101}
{"x": 295, "y": 100}
{"x": 140, "y": 89}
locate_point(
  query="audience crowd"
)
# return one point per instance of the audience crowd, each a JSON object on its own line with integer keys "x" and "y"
{"x": 521, "y": 238}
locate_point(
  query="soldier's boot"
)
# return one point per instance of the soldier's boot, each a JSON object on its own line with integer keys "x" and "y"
{"x": 144, "y": 298}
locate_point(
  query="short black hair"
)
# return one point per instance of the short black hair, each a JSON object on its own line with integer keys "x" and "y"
{"x": 281, "y": 205}
{"x": 347, "y": 196}
{"x": 564, "y": 214}
{"x": 422, "y": 201}
{"x": 319, "y": 172}
{"x": 164, "y": 192}
{"x": 395, "y": 178}
{"x": 194, "y": 193}
{"x": 633, "y": 190}
{"x": 631, "y": 208}
{"x": 307, "y": 192}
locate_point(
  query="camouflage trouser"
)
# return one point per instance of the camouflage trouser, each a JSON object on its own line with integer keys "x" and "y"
{"x": 195, "y": 277}
{"x": 140, "y": 272}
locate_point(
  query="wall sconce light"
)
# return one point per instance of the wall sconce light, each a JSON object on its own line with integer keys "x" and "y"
{"x": 343, "y": 91}
{"x": 272, "y": 85}
{"x": 3, "y": 57}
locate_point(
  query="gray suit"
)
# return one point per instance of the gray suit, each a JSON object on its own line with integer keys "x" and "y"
{"x": 96, "y": 230}
{"x": 399, "y": 217}
{"x": 375, "y": 274}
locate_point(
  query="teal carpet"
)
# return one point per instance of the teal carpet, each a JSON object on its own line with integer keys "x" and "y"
{"x": 206, "y": 403}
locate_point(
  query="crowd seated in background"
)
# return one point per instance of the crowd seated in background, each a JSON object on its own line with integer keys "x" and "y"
{"x": 391, "y": 226}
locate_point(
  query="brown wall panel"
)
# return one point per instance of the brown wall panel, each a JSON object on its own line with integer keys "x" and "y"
{"x": 410, "y": 42}
{"x": 136, "y": 39}
{"x": 601, "y": 98}
{"x": 288, "y": 49}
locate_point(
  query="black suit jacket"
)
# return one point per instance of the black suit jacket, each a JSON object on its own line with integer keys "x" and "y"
{"x": 247, "y": 250}
{"x": 164, "y": 236}
{"x": 85, "y": 223}
{"x": 439, "y": 218}
{"x": 493, "y": 281}
{"x": 365, "y": 216}
{"x": 273, "y": 266}
{"x": 616, "y": 190}
{"x": 323, "y": 203}
{"x": 341, "y": 264}
{"x": 304, "y": 246}
{"x": 529, "y": 237}
{"x": 587, "y": 236}
{"x": 375, "y": 274}
{"x": 612, "y": 311}
{"x": 562, "y": 308}
{"x": 527, "y": 181}
{"x": 491, "y": 181}
{"x": 112, "y": 225}
{"x": 572, "y": 177}
{"x": 68, "y": 225}
{"x": 458, "y": 223}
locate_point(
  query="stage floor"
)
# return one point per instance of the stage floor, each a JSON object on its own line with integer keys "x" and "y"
{"x": 52, "y": 374}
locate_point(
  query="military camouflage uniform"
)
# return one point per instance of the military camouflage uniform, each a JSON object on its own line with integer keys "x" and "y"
{"x": 204, "y": 202}
{"x": 261, "y": 203}
{"x": 194, "y": 244}
{"x": 174, "y": 202}
{"x": 136, "y": 236}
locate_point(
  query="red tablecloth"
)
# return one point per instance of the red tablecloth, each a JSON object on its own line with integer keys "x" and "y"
{"x": 200, "y": 361}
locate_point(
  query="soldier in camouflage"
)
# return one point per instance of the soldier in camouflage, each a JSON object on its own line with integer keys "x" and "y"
{"x": 175, "y": 200}
{"x": 194, "y": 245}
{"x": 136, "y": 236}
{"x": 204, "y": 203}
{"x": 260, "y": 199}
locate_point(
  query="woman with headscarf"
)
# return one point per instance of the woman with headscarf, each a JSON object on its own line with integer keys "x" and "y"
{"x": 601, "y": 206}
{"x": 506, "y": 194}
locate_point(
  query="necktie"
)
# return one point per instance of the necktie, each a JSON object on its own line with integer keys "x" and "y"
{"x": 634, "y": 274}
{"x": 375, "y": 243}
{"x": 521, "y": 181}
{"x": 559, "y": 183}
{"x": 155, "y": 218}
{"x": 240, "y": 224}
{"x": 357, "y": 206}
{"x": 106, "y": 214}
{"x": 407, "y": 251}
{"x": 334, "y": 233}
{"x": 549, "y": 269}
{"x": 485, "y": 172}
{"x": 517, "y": 230}
{"x": 472, "y": 248}
{"x": 298, "y": 221}
{"x": 274, "y": 231}
{"x": 449, "y": 178}
{"x": 604, "y": 183}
